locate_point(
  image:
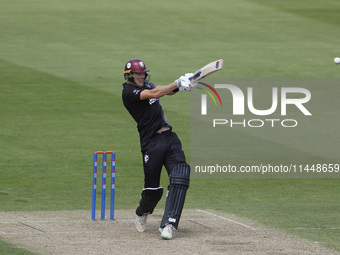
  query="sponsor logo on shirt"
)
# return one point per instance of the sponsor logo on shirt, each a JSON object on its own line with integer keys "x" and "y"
{"x": 153, "y": 100}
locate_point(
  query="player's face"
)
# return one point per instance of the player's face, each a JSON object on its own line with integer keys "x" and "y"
{"x": 139, "y": 78}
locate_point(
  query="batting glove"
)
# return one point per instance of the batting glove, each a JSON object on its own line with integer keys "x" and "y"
{"x": 183, "y": 83}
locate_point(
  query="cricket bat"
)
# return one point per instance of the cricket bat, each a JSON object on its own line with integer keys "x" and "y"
{"x": 206, "y": 70}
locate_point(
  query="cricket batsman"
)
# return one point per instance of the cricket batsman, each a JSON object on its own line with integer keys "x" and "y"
{"x": 160, "y": 146}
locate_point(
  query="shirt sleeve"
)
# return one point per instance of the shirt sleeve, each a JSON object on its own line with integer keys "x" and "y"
{"x": 149, "y": 85}
{"x": 131, "y": 94}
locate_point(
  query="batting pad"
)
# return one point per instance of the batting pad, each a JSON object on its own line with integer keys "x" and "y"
{"x": 179, "y": 183}
{"x": 149, "y": 200}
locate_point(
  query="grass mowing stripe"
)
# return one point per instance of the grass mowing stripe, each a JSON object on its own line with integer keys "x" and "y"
{"x": 45, "y": 138}
{"x": 323, "y": 11}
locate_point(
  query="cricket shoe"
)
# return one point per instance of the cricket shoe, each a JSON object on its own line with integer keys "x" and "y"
{"x": 140, "y": 222}
{"x": 166, "y": 232}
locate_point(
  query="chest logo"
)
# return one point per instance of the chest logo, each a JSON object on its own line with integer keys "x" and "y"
{"x": 153, "y": 100}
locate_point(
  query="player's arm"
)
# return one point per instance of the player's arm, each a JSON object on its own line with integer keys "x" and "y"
{"x": 158, "y": 91}
{"x": 173, "y": 92}
{"x": 183, "y": 84}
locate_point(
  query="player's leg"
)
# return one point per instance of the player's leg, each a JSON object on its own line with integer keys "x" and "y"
{"x": 179, "y": 178}
{"x": 148, "y": 202}
{"x": 179, "y": 183}
{"x": 152, "y": 192}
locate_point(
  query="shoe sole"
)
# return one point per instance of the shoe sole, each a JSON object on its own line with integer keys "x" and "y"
{"x": 140, "y": 228}
{"x": 165, "y": 237}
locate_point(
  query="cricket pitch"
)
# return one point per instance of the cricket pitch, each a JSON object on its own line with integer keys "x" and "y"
{"x": 200, "y": 232}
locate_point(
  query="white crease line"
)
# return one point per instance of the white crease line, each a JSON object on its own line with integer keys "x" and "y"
{"x": 69, "y": 221}
{"x": 44, "y": 221}
{"x": 2, "y": 233}
{"x": 315, "y": 228}
{"x": 60, "y": 232}
{"x": 223, "y": 218}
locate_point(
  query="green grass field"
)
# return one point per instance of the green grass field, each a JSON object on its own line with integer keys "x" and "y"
{"x": 61, "y": 70}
